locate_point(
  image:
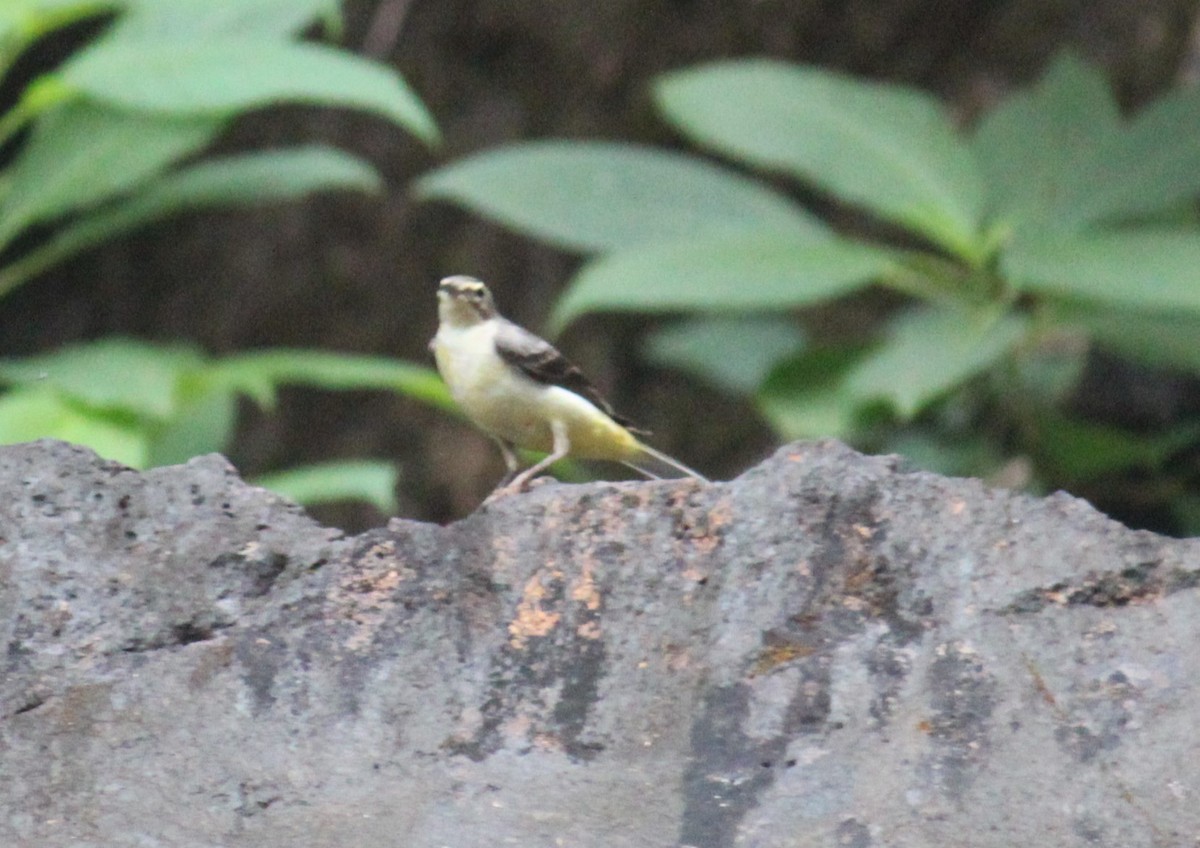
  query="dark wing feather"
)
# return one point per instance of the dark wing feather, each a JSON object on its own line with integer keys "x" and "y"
{"x": 541, "y": 361}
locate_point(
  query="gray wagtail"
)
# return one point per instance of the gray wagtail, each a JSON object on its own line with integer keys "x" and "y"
{"x": 522, "y": 392}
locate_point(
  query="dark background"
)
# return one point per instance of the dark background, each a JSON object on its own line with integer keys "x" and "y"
{"x": 357, "y": 274}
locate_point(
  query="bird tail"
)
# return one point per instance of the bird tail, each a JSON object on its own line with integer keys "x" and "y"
{"x": 657, "y": 465}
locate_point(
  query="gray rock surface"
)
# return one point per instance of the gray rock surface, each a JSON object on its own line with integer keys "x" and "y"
{"x": 827, "y": 651}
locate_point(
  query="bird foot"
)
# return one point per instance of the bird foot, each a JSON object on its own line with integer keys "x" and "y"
{"x": 500, "y": 493}
{"x": 507, "y": 488}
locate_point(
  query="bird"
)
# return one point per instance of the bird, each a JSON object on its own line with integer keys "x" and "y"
{"x": 520, "y": 390}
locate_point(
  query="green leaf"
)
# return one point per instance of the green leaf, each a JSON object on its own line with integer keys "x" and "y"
{"x": 81, "y": 154}
{"x": 1037, "y": 150}
{"x": 224, "y": 76}
{"x": 257, "y": 374}
{"x": 735, "y": 354}
{"x": 804, "y": 397}
{"x": 1146, "y": 269}
{"x": 20, "y": 11}
{"x": 112, "y": 374}
{"x": 23, "y": 22}
{"x": 970, "y": 456}
{"x": 248, "y": 178}
{"x": 1059, "y": 156}
{"x": 928, "y": 352}
{"x": 203, "y": 423}
{"x": 593, "y": 196}
{"x": 196, "y": 19}
{"x": 263, "y": 177}
{"x": 1049, "y": 372}
{"x": 32, "y": 413}
{"x": 738, "y": 273}
{"x": 1160, "y": 341}
{"x": 1083, "y": 451}
{"x": 1154, "y": 163}
{"x": 887, "y": 148}
{"x": 373, "y": 482}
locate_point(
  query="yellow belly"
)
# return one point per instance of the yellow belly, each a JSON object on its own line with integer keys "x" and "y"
{"x": 510, "y": 406}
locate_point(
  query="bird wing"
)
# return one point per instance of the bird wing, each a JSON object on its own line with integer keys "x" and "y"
{"x": 541, "y": 362}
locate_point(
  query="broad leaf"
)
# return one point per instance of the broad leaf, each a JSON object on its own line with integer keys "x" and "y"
{"x": 262, "y": 177}
{"x": 221, "y": 77}
{"x": 257, "y": 373}
{"x": 1048, "y": 372}
{"x": 248, "y": 178}
{"x": 82, "y": 153}
{"x": 887, "y": 148}
{"x": 204, "y": 423}
{"x": 1038, "y": 148}
{"x": 26, "y": 10}
{"x": 23, "y": 22}
{"x": 31, "y": 413}
{"x": 727, "y": 274}
{"x": 365, "y": 480}
{"x": 115, "y": 374}
{"x": 951, "y": 456}
{"x": 593, "y": 196}
{"x": 804, "y": 397}
{"x": 1148, "y": 270}
{"x": 928, "y": 352}
{"x": 1083, "y": 451}
{"x": 735, "y": 354}
{"x": 151, "y": 19}
{"x": 1154, "y": 163}
{"x": 1168, "y": 340}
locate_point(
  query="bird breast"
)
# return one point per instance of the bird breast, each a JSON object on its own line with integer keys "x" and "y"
{"x": 501, "y": 400}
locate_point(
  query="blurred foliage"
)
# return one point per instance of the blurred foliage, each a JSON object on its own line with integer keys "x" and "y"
{"x": 1052, "y": 228}
{"x": 363, "y": 480}
{"x": 152, "y": 404}
{"x": 109, "y": 141}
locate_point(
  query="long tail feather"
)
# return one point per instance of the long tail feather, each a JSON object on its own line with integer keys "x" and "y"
{"x": 656, "y": 465}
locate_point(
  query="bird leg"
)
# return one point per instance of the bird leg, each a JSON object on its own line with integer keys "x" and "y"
{"x": 511, "y": 461}
{"x": 561, "y": 447}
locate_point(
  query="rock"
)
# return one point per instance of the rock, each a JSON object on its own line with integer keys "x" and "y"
{"x": 828, "y": 650}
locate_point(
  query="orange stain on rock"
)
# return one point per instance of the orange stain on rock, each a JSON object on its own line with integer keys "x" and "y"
{"x": 532, "y": 619}
{"x": 701, "y": 528}
{"x": 585, "y": 591}
{"x": 589, "y": 630}
{"x": 365, "y": 594}
{"x": 548, "y": 742}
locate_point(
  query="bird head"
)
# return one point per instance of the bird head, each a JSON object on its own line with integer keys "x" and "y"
{"x": 463, "y": 301}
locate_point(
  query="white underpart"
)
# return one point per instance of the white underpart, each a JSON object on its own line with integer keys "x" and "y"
{"x": 498, "y": 397}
